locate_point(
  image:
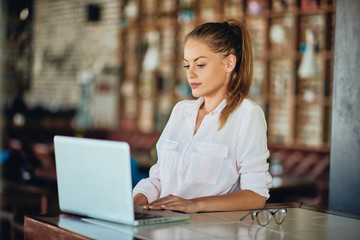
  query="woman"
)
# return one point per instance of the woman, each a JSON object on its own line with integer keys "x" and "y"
{"x": 212, "y": 154}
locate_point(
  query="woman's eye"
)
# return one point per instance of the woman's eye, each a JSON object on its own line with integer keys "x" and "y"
{"x": 186, "y": 66}
{"x": 201, "y": 65}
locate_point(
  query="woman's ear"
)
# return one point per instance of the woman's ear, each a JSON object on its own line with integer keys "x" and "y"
{"x": 230, "y": 63}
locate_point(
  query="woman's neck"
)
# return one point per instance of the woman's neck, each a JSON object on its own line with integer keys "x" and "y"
{"x": 210, "y": 104}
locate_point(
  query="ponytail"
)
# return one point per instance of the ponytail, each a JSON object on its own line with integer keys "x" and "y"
{"x": 242, "y": 75}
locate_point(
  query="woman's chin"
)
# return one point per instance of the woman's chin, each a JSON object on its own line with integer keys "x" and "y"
{"x": 196, "y": 94}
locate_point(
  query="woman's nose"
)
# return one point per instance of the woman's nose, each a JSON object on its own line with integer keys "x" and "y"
{"x": 190, "y": 73}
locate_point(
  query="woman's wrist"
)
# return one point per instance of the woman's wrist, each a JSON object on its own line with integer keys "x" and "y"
{"x": 198, "y": 204}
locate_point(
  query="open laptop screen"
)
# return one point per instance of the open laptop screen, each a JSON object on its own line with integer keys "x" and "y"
{"x": 94, "y": 178}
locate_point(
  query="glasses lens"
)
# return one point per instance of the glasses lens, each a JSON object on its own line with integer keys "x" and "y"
{"x": 280, "y": 215}
{"x": 263, "y": 217}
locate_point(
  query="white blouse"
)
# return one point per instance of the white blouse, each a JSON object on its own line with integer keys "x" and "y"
{"x": 211, "y": 162}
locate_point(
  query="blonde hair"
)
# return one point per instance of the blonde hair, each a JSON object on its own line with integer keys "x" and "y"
{"x": 226, "y": 38}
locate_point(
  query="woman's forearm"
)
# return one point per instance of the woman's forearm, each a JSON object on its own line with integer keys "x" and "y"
{"x": 239, "y": 200}
{"x": 234, "y": 201}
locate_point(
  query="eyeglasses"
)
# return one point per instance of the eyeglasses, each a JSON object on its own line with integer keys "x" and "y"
{"x": 263, "y": 217}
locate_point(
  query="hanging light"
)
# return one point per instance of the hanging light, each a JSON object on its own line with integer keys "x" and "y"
{"x": 24, "y": 14}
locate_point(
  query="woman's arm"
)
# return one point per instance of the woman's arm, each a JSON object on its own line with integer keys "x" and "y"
{"x": 149, "y": 187}
{"x": 234, "y": 201}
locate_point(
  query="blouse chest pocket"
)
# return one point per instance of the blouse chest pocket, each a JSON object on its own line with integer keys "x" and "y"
{"x": 206, "y": 163}
{"x": 167, "y": 156}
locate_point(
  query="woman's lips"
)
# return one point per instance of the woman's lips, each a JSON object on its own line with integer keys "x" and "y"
{"x": 194, "y": 85}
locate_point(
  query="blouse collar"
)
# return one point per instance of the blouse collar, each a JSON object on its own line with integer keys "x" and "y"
{"x": 197, "y": 104}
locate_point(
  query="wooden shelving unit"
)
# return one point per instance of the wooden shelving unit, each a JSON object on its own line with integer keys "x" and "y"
{"x": 293, "y": 86}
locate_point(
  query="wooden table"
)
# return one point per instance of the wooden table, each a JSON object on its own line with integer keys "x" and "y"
{"x": 301, "y": 223}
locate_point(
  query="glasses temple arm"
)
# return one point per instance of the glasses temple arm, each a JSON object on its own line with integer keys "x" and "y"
{"x": 244, "y": 216}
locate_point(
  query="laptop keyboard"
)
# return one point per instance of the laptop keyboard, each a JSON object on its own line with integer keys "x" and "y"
{"x": 140, "y": 216}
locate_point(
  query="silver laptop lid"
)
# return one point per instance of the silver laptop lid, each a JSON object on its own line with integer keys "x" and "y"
{"x": 94, "y": 178}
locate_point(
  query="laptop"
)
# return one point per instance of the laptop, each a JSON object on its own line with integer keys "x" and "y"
{"x": 94, "y": 180}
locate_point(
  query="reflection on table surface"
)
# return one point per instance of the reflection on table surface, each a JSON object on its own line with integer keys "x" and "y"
{"x": 300, "y": 223}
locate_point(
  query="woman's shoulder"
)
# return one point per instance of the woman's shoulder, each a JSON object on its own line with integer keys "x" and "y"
{"x": 249, "y": 112}
{"x": 249, "y": 105}
{"x": 249, "y": 109}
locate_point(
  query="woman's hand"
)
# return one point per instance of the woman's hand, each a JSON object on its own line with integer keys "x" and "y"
{"x": 174, "y": 203}
{"x": 140, "y": 200}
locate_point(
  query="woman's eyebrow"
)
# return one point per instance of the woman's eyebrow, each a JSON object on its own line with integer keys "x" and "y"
{"x": 195, "y": 58}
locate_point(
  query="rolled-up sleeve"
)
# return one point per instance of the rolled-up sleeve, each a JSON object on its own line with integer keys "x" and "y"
{"x": 151, "y": 186}
{"x": 252, "y": 155}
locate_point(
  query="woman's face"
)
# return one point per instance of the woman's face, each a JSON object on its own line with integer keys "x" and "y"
{"x": 206, "y": 71}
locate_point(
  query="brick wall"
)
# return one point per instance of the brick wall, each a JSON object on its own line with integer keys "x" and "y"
{"x": 65, "y": 44}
